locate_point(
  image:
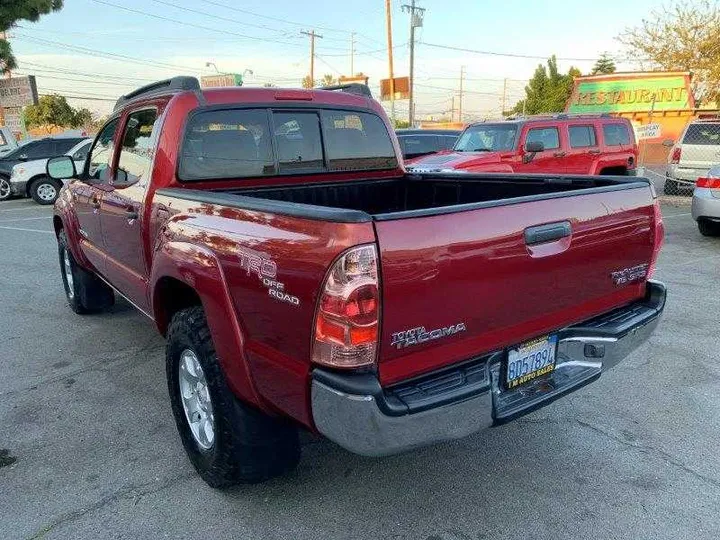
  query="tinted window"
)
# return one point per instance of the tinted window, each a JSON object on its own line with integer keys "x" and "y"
{"x": 299, "y": 144}
{"x": 3, "y": 142}
{"x": 487, "y": 137}
{"x": 102, "y": 153}
{"x": 82, "y": 152}
{"x": 38, "y": 150}
{"x": 549, "y": 137}
{"x": 447, "y": 141}
{"x": 227, "y": 144}
{"x": 137, "y": 149}
{"x": 616, "y": 134}
{"x": 415, "y": 145}
{"x": 581, "y": 136}
{"x": 357, "y": 141}
{"x": 706, "y": 134}
{"x": 62, "y": 146}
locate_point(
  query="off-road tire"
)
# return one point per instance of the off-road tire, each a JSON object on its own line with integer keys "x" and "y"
{"x": 708, "y": 228}
{"x": 249, "y": 446}
{"x": 89, "y": 293}
{"x": 44, "y": 180}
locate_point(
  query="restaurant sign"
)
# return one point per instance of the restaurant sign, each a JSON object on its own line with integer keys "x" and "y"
{"x": 18, "y": 92}
{"x": 632, "y": 92}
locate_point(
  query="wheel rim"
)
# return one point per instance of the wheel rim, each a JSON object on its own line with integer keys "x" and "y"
{"x": 67, "y": 269}
{"x": 46, "y": 192}
{"x": 195, "y": 397}
{"x": 4, "y": 189}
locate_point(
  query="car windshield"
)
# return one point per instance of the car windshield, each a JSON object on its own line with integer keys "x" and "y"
{"x": 487, "y": 138}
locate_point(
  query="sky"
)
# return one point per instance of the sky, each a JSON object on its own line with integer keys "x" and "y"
{"x": 102, "y": 48}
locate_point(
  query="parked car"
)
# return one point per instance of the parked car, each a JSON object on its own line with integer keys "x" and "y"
{"x": 564, "y": 144}
{"x": 706, "y": 202}
{"x": 8, "y": 143}
{"x": 416, "y": 143}
{"x": 692, "y": 156}
{"x": 305, "y": 281}
{"x": 31, "y": 150}
{"x": 29, "y": 179}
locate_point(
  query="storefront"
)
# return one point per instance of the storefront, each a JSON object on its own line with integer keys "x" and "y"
{"x": 659, "y": 97}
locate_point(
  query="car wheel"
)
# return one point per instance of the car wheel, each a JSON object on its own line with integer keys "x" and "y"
{"x": 709, "y": 228}
{"x": 4, "y": 188}
{"x": 85, "y": 292}
{"x": 227, "y": 441}
{"x": 45, "y": 190}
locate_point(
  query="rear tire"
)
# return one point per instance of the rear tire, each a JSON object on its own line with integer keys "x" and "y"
{"x": 85, "y": 292}
{"x": 708, "y": 228}
{"x": 4, "y": 188}
{"x": 241, "y": 444}
{"x": 45, "y": 190}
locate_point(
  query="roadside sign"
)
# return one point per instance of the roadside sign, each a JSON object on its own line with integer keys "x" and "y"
{"x": 648, "y": 131}
{"x": 222, "y": 79}
{"x": 402, "y": 88}
{"x": 359, "y": 78}
{"x": 18, "y": 92}
{"x": 14, "y": 119}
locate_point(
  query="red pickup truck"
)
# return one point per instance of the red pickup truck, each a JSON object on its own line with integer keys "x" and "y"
{"x": 561, "y": 144}
{"x": 304, "y": 280}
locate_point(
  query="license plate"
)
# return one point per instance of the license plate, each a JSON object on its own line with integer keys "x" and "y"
{"x": 530, "y": 360}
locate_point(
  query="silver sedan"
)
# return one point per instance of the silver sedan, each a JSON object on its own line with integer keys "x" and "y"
{"x": 706, "y": 203}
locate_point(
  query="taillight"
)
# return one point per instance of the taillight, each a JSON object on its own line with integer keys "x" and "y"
{"x": 675, "y": 156}
{"x": 657, "y": 237}
{"x": 348, "y": 312}
{"x": 712, "y": 183}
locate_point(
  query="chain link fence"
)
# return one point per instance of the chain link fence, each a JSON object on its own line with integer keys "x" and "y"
{"x": 691, "y": 157}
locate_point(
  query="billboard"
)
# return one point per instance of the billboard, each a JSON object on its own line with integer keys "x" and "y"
{"x": 18, "y": 92}
{"x": 631, "y": 92}
{"x": 220, "y": 80}
{"x": 402, "y": 88}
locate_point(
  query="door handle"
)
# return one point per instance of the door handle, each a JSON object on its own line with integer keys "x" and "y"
{"x": 547, "y": 233}
{"x": 593, "y": 151}
{"x": 560, "y": 154}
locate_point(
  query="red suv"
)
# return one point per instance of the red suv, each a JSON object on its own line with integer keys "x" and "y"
{"x": 581, "y": 144}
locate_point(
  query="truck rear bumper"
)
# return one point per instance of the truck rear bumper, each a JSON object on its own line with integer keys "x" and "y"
{"x": 354, "y": 411}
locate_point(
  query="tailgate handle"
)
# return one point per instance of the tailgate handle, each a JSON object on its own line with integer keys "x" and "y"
{"x": 547, "y": 233}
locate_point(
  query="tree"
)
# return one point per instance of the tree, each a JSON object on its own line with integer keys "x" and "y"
{"x": 268, "y": 85}
{"x": 83, "y": 118}
{"x": 605, "y": 64}
{"x": 18, "y": 10}
{"x": 548, "y": 90}
{"x": 51, "y": 111}
{"x": 307, "y": 82}
{"x": 328, "y": 80}
{"x": 685, "y": 37}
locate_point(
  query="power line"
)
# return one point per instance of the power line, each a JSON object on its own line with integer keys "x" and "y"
{"x": 50, "y": 69}
{"x": 112, "y": 83}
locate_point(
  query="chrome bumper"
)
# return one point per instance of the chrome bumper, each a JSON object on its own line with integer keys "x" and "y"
{"x": 356, "y": 413}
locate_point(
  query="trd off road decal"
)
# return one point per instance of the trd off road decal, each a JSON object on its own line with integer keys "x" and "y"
{"x": 416, "y": 336}
{"x": 628, "y": 275}
{"x": 266, "y": 271}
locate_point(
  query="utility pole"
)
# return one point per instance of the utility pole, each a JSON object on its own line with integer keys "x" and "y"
{"x": 388, "y": 17}
{"x": 416, "y": 21}
{"x": 504, "y": 94}
{"x": 462, "y": 78}
{"x": 312, "y": 35}
{"x": 452, "y": 110}
{"x": 352, "y": 54}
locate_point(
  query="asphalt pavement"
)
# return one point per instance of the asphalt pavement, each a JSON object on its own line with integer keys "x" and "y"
{"x": 88, "y": 446}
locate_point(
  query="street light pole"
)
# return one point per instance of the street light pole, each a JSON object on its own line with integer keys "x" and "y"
{"x": 416, "y": 21}
{"x": 208, "y": 64}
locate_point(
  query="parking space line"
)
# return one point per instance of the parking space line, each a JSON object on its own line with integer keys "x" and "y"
{"x": 21, "y": 208}
{"x": 675, "y": 215}
{"x": 24, "y": 229}
{"x": 23, "y": 219}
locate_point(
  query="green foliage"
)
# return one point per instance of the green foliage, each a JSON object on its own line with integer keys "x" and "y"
{"x": 328, "y": 80}
{"x": 20, "y": 10}
{"x": 54, "y": 110}
{"x": 307, "y": 82}
{"x": 604, "y": 65}
{"x": 401, "y": 124}
{"x": 269, "y": 85}
{"x": 548, "y": 90}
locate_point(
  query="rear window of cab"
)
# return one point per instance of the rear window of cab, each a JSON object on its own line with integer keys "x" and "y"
{"x": 241, "y": 143}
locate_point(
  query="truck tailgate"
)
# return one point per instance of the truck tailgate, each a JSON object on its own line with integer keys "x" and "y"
{"x": 481, "y": 280}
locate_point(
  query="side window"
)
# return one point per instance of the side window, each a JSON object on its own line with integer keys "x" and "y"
{"x": 82, "y": 152}
{"x": 38, "y": 150}
{"x": 299, "y": 144}
{"x": 447, "y": 142}
{"x": 416, "y": 145}
{"x": 3, "y": 141}
{"x": 137, "y": 150}
{"x": 61, "y": 146}
{"x": 582, "y": 136}
{"x": 548, "y": 136}
{"x": 616, "y": 134}
{"x": 358, "y": 141}
{"x": 102, "y": 153}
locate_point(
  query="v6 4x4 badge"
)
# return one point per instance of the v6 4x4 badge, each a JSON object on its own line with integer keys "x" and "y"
{"x": 418, "y": 335}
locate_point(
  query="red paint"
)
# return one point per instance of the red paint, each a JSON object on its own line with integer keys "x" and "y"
{"x": 563, "y": 160}
{"x": 470, "y": 267}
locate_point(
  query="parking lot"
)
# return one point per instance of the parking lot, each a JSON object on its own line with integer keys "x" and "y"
{"x": 89, "y": 449}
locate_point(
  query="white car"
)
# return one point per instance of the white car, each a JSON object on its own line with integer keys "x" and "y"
{"x": 30, "y": 178}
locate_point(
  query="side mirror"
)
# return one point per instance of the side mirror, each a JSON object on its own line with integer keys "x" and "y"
{"x": 668, "y": 143}
{"x": 61, "y": 168}
{"x": 534, "y": 147}
{"x": 121, "y": 178}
